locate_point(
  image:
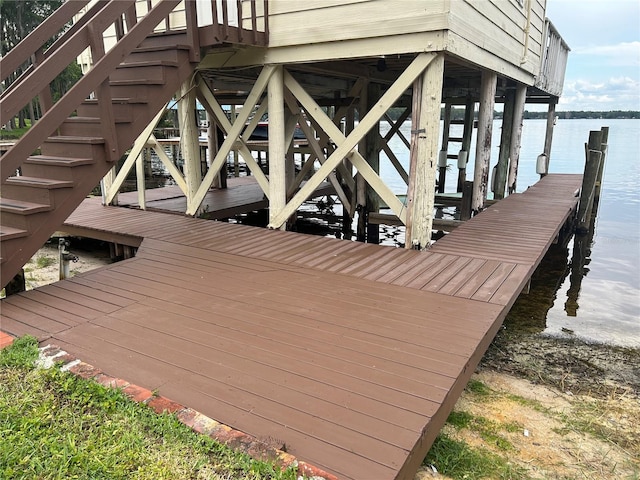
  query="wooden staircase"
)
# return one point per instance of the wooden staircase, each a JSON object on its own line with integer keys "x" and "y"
{"x": 63, "y": 156}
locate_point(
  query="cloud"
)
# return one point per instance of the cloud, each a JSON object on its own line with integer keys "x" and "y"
{"x": 616, "y": 93}
{"x": 624, "y": 54}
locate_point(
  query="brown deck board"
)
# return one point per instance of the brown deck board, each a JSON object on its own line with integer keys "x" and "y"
{"x": 351, "y": 354}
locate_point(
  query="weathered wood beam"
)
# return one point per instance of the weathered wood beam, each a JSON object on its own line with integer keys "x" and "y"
{"x": 213, "y": 107}
{"x": 483, "y": 143}
{"x": 128, "y": 164}
{"x": 277, "y": 147}
{"x": 424, "y": 161}
{"x": 502, "y": 170}
{"x": 189, "y": 141}
{"x": 168, "y": 163}
{"x": 317, "y": 153}
{"x": 467, "y": 133}
{"x": 516, "y": 136}
{"x": 142, "y": 202}
{"x": 232, "y": 135}
{"x": 346, "y": 145}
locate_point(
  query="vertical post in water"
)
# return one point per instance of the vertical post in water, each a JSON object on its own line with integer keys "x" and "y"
{"x": 603, "y": 148}
{"x": 587, "y": 192}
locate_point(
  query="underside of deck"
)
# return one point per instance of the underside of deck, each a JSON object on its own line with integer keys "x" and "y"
{"x": 351, "y": 355}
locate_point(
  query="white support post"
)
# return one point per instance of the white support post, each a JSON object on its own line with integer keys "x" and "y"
{"x": 516, "y": 136}
{"x": 140, "y": 180}
{"x": 483, "y": 144}
{"x": 189, "y": 142}
{"x": 424, "y": 163}
{"x": 277, "y": 146}
{"x": 233, "y": 134}
{"x": 345, "y": 146}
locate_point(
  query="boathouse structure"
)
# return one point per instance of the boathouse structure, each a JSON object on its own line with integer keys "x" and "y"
{"x": 366, "y": 321}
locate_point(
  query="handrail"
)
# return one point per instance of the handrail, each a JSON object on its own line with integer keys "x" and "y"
{"x": 36, "y": 39}
{"x": 39, "y": 132}
{"x": 51, "y": 67}
{"x": 555, "y": 52}
{"x": 221, "y": 30}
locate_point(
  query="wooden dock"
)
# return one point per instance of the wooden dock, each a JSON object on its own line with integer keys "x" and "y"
{"x": 352, "y": 355}
{"x": 242, "y": 195}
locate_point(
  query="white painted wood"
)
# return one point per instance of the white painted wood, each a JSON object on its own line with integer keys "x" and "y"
{"x": 516, "y": 136}
{"x": 421, "y": 197}
{"x": 152, "y": 142}
{"x": 483, "y": 143}
{"x": 142, "y": 204}
{"x": 346, "y": 145}
{"x": 189, "y": 141}
{"x": 212, "y": 106}
{"x": 232, "y": 135}
{"x": 317, "y": 153}
{"x": 106, "y": 184}
{"x": 128, "y": 164}
{"x": 294, "y": 23}
{"x": 277, "y": 147}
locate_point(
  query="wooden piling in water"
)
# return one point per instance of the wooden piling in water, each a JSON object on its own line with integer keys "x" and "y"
{"x": 591, "y": 169}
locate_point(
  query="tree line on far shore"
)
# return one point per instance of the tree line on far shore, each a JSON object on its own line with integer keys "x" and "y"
{"x": 457, "y": 113}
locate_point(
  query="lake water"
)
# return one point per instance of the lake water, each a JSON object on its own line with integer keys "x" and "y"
{"x": 596, "y": 297}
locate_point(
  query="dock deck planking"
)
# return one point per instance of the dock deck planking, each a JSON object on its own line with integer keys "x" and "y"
{"x": 350, "y": 354}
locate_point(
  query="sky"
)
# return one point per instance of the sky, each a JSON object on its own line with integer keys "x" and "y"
{"x": 603, "y": 71}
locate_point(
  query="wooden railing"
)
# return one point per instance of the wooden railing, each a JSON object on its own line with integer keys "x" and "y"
{"x": 554, "y": 61}
{"x": 234, "y": 21}
{"x": 46, "y": 65}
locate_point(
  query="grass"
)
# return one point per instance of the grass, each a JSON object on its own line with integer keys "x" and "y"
{"x": 458, "y": 460}
{"x": 14, "y": 134}
{"x": 54, "y": 425}
{"x": 42, "y": 261}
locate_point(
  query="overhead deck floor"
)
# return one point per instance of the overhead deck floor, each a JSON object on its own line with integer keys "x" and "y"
{"x": 350, "y": 354}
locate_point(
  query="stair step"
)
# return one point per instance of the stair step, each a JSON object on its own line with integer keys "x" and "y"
{"x": 23, "y": 188}
{"x": 73, "y": 146}
{"x": 7, "y": 233}
{"x": 8, "y": 205}
{"x": 58, "y": 161}
{"x": 135, "y": 75}
{"x": 123, "y": 108}
{"x": 36, "y": 182}
{"x": 169, "y": 54}
{"x": 56, "y": 168}
{"x": 85, "y": 126}
{"x": 75, "y": 140}
{"x": 137, "y": 90}
{"x": 147, "y": 63}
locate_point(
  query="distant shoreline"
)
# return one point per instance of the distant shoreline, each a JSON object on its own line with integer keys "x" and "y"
{"x": 573, "y": 114}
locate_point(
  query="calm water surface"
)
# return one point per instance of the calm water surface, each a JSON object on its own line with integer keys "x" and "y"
{"x": 591, "y": 288}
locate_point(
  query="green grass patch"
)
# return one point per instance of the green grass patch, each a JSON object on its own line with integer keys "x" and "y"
{"x": 488, "y": 430}
{"x": 478, "y": 388}
{"x": 42, "y": 261}
{"x": 54, "y": 425}
{"x": 14, "y": 134}
{"x": 458, "y": 460}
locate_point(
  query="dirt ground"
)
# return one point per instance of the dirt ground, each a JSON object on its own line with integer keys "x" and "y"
{"x": 575, "y": 406}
